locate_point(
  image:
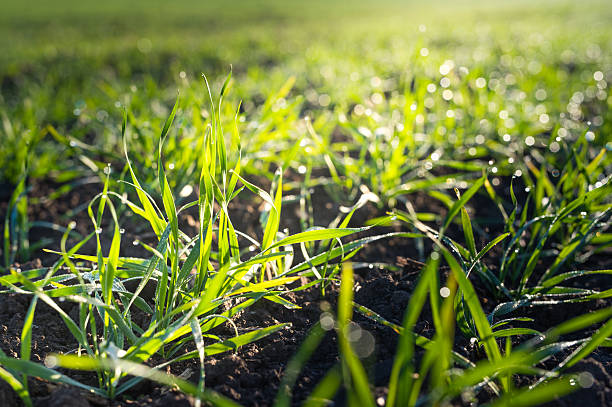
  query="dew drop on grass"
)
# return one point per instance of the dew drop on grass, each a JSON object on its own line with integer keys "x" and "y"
{"x": 73, "y": 143}
{"x": 121, "y": 231}
{"x": 589, "y": 136}
{"x": 302, "y": 169}
{"x": 555, "y": 173}
{"x": 554, "y": 147}
{"x": 445, "y": 292}
{"x": 527, "y": 189}
{"x": 135, "y": 243}
{"x": 99, "y": 230}
{"x": 370, "y": 266}
{"x": 72, "y": 225}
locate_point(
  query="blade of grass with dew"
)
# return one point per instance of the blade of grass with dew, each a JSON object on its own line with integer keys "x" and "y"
{"x": 462, "y": 201}
{"x": 480, "y": 320}
{"x": 551, "y": 390}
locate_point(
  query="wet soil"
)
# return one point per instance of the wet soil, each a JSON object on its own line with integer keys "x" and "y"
{"x": 252, "y": 374}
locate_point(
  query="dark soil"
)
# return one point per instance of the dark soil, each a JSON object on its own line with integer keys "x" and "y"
{"x": 252, "y": 374}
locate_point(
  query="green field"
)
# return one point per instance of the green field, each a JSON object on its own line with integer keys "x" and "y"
{"x": 477, "y": 134}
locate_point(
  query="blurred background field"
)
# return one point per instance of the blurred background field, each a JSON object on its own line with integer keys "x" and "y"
{"x": 70, "y": 64}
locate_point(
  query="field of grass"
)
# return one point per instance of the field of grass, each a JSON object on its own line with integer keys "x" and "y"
{"x": 168, "y": 167}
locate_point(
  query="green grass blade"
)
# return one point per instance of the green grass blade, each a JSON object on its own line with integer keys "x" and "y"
{"x": 356, "y": 380}
{"x": 551, "y": 390}
{"x": 452, "y": 212}
{"x": 306, "y": 349}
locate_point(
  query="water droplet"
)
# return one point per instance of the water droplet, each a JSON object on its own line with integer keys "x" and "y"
{"x": 121, "y": 231}
{"x": 491, "y": 162}
{"x": 445, "y": 292}
{"x": 107, "y": 169}
{"x": 527, "y": 189}
{"x": 72, "y": 225}
{"x": 555, "y": 173}
{"x": 327, "y": 321}
{"x": 586, "y": 380}
{"x": 99, "y": 230}
{"x": 186, "y": 191}
{"x": 73, "y": 143}
{"x": 554, "y": 147}
{"x": 135, "y": 243}
{"x": 51, "y": 362}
